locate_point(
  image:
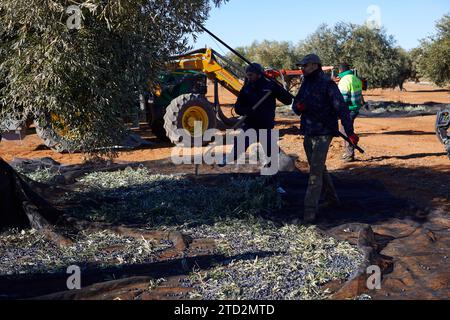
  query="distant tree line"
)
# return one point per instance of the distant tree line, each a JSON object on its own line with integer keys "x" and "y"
{"x": 371, "y": 51}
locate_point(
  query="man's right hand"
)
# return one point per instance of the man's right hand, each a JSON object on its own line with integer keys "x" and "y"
{"x": 300, "y": 107}
{"x": 336, "y": 79}
{"x": 354, "y": 139}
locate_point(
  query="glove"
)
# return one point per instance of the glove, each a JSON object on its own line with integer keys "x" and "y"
{"x": 354, "y": 139}
{"x": 336, "y": 79}
{"x": 272, "y": 74}
{"x": 300, "y": 107}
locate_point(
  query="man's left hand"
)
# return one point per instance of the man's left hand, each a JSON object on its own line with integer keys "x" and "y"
{"x": 354, "y": 139}
{"x": 300, "y": 107}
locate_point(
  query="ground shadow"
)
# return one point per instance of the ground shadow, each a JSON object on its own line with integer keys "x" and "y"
{"x": 407, "y": 157}
{"x": 34, "y": 285}
{"x": 435, "y": 90}
{"x": 407, "y": 133}
{"x": 41, "y": 147}
{"x": 156, "y": 143}
{"x": 292, "y": 131}
{"x": 363, "y": 192}
{"x": 368, "y": 195}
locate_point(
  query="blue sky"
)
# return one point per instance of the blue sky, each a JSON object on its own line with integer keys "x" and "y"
{"x": 240, "y": 22}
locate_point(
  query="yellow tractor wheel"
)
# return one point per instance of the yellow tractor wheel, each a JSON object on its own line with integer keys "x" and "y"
{"x": 184, "y": 113}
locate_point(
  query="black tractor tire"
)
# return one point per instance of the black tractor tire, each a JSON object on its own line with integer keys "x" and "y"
{"x": 50, "y": 137}
{"x": 173, "y": 118}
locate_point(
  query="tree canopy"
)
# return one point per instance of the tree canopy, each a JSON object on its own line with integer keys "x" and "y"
{"x": 271, "y": 54}
{"x": 372, "y": 51}
{"x": 88, "y": 76}
{"x": 432, "y": 57}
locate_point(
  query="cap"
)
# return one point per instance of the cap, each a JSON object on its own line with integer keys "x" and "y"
{"x": 310, "y": 58}
{"x": 255, "y": 68}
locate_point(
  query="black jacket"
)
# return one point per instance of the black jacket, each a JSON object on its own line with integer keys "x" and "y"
{"x": 264, "y": 116}
{"x": 322, "y": 97}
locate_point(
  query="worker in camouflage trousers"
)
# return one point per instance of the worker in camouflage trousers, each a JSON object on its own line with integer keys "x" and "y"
{"x": 351, "y": 89}
{"x": 319, "y": 95}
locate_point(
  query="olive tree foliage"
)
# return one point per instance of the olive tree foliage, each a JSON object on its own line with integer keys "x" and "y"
{"x": 270, "y": 54}
{"x": 372, "y": 51}
{"x": 236, "y": 60}
{"x": 415, "y": 55}
{"x": 432, "y": 57}
{"x": 88, "y": 77}
{"x": 326, "y": 42}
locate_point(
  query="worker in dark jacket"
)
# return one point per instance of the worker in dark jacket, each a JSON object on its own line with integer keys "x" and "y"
{"x": 320, "y": 96}
{"x": 254, "y": 89}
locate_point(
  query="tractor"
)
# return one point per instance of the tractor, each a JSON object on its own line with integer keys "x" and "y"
{"x": 178, "y": 102}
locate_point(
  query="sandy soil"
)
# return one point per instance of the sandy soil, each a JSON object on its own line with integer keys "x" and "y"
{"x": 400, "y": 142}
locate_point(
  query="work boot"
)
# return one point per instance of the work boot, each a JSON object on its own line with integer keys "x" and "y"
{"x": 309, "y": 216}
{"x": 223, "y": 163}
{"x": 348, "y": 158}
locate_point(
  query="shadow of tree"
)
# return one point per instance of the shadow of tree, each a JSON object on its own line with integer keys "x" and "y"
{"x": 371, "y": 195}
{"x": 292, "y": 131}
{"x": 368, "y": 195}
{"x": 34, "y": 285}
{"x": 407, "y": 157}
{"x": 408, "y": 132}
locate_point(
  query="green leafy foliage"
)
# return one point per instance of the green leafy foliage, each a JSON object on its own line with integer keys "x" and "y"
{"x": 273, "y": 54}
{"x": 372, "y": 51}
{"x": 432, "y": 58}
{"x": 88, "y": 77}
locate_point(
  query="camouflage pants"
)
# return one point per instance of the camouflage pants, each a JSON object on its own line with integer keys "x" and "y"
{"x": 316, "y": 149}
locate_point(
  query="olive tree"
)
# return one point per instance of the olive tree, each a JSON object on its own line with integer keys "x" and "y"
{"x": 432, "y": 58}
{"x": 86, "y": 63}
{"x": 83, "y": 63}
{"x": 372, "y": 51}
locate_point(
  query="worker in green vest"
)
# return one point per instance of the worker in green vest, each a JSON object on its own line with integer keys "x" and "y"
{"x": 351, "y": 89}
